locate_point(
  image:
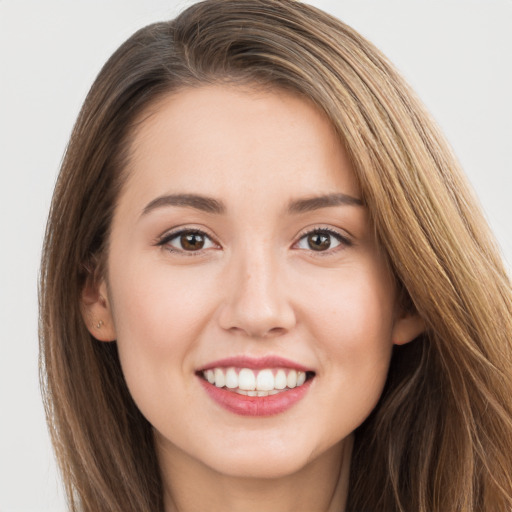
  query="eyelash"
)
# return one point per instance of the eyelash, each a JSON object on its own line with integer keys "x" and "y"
{"x": 164, "y": 241}
{"x": 168, "y": 237}
{"x": 344, "y": 241}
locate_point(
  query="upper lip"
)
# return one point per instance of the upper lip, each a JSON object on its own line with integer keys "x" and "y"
{"x": 256, "y": 363}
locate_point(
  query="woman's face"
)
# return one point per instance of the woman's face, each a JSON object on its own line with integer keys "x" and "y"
{"x": 241, "y": 255}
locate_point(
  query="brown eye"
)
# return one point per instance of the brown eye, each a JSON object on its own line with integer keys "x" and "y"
{"x": 322, "y": 240}
{"x": 319, "y": 241}
{"x": 187, "y": 241}
{"x": 192, "y": 241}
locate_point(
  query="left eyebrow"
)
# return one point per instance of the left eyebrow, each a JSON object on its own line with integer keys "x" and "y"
{"x": 324, "y": 201}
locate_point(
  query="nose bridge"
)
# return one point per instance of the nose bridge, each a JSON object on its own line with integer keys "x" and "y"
{"x": 256, "y": 300}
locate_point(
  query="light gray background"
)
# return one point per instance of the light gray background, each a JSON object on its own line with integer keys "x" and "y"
{"x": 455, "y": 53}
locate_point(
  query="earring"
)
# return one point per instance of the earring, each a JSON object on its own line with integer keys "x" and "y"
{"x": 99, "y": 324}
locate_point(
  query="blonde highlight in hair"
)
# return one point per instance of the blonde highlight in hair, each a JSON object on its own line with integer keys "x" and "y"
{"x": 441, "y": 436}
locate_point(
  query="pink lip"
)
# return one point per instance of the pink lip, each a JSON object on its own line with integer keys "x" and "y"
{"x": 255, "y": 363}
{"x": 252, "y": 405}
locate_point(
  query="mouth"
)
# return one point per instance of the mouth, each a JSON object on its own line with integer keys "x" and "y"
{"x": 256, "y": 383}
{"x": 255, "y": 387}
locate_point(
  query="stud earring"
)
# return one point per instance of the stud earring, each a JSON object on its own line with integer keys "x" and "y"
{"x": 99, "y": 324}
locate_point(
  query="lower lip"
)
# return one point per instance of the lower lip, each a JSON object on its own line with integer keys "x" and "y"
{"x": 256, "y": 405}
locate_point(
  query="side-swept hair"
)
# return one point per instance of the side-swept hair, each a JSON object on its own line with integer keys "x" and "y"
{"x": 440, "y": 438}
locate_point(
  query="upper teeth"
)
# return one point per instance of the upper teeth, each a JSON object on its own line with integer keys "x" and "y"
{"x": 247, "y": 380}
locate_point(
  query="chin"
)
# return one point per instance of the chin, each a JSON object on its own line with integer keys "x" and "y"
{"x": 260, "y": 466}
{"x": 261, "y": 455}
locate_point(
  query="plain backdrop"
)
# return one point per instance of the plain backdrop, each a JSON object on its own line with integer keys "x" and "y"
{"x": 455, "y": 53}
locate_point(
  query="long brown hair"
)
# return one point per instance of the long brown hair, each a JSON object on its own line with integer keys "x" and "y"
{"x": 441, "y": 436}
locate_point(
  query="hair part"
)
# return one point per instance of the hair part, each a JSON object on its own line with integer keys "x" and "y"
{"x": 441, "y": 435}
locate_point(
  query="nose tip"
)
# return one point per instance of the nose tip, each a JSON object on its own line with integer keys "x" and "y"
{"x": 256, "y": 305}
{"x": 258, "y": 327}
{"x": 258, "y": 333}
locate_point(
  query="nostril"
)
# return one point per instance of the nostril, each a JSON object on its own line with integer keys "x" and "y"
{"x": 275, "y": 331}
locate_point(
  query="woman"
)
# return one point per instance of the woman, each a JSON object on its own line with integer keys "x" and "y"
{"x": 266, "y": 285}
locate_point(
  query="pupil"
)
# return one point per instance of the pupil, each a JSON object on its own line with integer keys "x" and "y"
{"x": 192, "y": 241}
{"x": 319, "y": 241}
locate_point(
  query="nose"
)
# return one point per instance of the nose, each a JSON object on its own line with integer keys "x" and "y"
{"x": 256, "y": 301}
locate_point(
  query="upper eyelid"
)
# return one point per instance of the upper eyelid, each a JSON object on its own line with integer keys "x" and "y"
{"x": 342, "y": 234}
{"x": 319, "y": 230}
{"x": 174, "y": 232}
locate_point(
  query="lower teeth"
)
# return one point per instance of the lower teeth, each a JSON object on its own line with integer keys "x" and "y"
{"x": 257, "y": 393}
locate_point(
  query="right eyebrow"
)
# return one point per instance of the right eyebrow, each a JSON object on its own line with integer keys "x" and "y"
{"x": 318, "y": 202}
{"x": 198, "y": 202}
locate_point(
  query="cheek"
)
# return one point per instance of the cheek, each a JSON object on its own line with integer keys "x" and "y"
{"x": 154, "y": 307}
{"x": 158, "y": 315}
{"x": 352, "y": 324}
{"x": 354, "y": 310}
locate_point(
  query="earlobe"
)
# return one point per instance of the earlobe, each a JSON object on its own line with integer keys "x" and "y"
{"x": 96, "y": 311}
{"x": 407, "y": 327}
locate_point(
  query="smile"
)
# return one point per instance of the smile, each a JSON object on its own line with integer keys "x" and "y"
{"x": 256, "y": 387}
{"x": 249, "y": 382}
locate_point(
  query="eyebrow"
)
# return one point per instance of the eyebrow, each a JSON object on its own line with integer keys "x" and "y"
{"x": 211, "y": 205}
{"x": 203, "y": 203}
{"x": 324, "y": 201}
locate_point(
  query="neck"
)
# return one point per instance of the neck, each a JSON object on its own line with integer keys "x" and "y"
{"x": 322, "y": 485}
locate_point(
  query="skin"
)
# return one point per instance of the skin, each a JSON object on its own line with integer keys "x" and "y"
{"x": 256, "y": 288}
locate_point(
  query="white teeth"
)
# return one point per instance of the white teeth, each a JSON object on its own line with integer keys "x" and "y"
{"x": 265, "y": 381}
{"x": 246, "y": 379}
{"x": 291, "y": 379}
{"x": 219, "y": 378}
{"x": 253, "y": 382}
{"x": 231, "y": 379}
{"x": 280, "y": 380}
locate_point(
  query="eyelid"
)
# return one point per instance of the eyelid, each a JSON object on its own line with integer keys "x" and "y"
{"x": 344, "y": 239}
{"x": 173, "y": 233}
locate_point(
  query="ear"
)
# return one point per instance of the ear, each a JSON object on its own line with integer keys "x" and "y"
{"x": 96, "y": 310}
{"x": 407, "y": 327}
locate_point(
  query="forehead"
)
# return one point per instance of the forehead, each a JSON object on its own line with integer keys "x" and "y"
{"x": 215, "y": 140}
